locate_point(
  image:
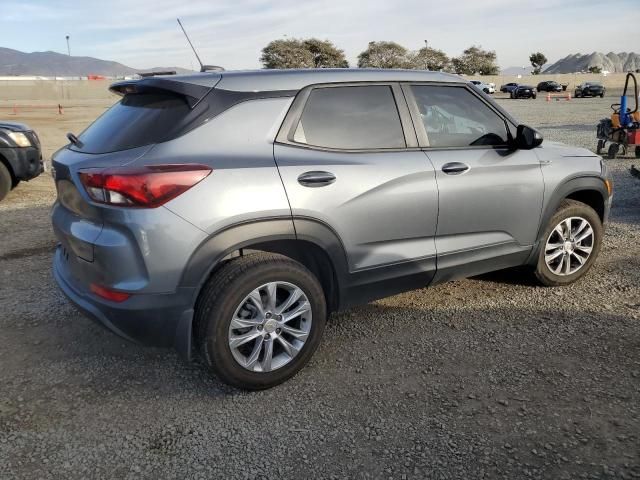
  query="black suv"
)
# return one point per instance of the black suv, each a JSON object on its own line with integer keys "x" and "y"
{"x": 20, "y": 155}
{"x": 523, "y": 91}
{"x": 549, "y": 87}
{"x": 590, "y": 89}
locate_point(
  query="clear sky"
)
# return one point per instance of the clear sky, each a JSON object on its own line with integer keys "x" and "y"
{"x": 231, "y": 33}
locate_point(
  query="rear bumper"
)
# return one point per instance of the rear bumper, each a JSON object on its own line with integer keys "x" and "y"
{"x": 162, "y": 320}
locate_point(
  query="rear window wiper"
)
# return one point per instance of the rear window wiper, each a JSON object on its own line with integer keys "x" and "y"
{"x": 75, "y": 140}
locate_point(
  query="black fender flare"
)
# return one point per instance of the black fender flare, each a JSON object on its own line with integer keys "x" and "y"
{"x": 221, "y": 243}
{"x": 566, "y": 188}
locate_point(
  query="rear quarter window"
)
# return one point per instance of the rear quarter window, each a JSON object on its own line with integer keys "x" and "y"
{"x": 135, "y": 121}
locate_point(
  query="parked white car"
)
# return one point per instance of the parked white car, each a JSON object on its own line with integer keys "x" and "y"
{"x": 485, "y": 87}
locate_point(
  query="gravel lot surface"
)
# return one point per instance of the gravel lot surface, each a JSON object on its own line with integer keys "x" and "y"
{"x": 491, "y": 377}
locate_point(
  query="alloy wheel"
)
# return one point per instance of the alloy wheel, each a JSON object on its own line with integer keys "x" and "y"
{"x": 569, "y": 246}
{"x": 270, "y": 327}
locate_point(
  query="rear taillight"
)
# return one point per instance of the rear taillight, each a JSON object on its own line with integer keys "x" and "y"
{"x": 146, "y": 186}
{"x": 109, "y": 294}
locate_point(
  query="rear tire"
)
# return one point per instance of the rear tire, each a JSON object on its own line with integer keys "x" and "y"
{"x": 600, "y": 146}
{"x": 6, "y": 182}
{"x": 561, "y": 243}
{"x": 229, "y": 300}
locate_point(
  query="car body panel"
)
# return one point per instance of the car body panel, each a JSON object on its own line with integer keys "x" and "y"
{"x": 398, "y": 189}
{"x": 473, "y": 214}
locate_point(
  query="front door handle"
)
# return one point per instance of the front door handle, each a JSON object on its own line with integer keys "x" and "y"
{"x": 455, "y": 168}
{"x": 316, "y": 179}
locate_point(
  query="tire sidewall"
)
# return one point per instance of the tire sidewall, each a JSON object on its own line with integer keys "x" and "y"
{"x": 544, "y": 274}
{"x": 5, "y": 181}
{"x": 216, "y": 345}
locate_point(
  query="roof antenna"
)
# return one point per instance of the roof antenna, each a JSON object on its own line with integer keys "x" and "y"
{"x": 203, "y": 68}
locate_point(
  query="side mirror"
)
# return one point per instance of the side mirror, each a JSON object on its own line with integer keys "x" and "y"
{"x": 527, "y": 138}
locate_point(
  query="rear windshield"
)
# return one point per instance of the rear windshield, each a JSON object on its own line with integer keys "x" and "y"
{"x": 135, "y": 121}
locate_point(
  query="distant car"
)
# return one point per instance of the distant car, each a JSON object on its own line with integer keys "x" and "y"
{"x": 20, "y": 155}
{"x": 508, "y": 87}
{"x": 485, "y": 87}
{"x": 524, "y": 91}
{"x": 590, "y": 89}
{"x": 549, "y": 87}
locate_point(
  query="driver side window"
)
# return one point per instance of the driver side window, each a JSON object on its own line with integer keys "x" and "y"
{"x": 454, "y": 117}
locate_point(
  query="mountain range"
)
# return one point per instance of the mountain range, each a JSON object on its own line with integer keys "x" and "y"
{"x": 611, "y": 62}
{"x": 14, "y": 62}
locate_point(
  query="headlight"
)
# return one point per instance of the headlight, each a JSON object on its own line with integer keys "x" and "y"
{"x": 20, "y": 139}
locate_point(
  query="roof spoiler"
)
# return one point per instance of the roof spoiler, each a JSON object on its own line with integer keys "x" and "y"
{"x": 192, "y": 92}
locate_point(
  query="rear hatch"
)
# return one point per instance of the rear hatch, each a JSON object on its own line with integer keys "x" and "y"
{"x": 151, "y": 110}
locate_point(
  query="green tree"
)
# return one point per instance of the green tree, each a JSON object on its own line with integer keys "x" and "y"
{"x": 475, "y": 60}
{"x": 289, "y": 53}
{"x": 384, "y": 55}
{"x": 325, "y": 54}
{"x": 595, "y": 69}
{"x": 537, "y": 60}
{"x": 429, "y": 59}
{"x": 302, "y": 53}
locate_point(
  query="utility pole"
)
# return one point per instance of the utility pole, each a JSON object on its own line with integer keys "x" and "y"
{"x": 426, "y": 48}
{"x": 68, "y": 48}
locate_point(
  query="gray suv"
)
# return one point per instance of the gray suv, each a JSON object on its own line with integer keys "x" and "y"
{"x": 229, "y": 213}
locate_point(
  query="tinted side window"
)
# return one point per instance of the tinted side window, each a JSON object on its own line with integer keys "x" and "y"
{"x": 454, "y": 117}
{"x": 135, "y": 121}
{"x": 359, "y": 117}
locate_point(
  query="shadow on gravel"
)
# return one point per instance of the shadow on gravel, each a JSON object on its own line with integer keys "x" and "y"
{"x": 25, "y": 230}
{"x": 510, "y": 276}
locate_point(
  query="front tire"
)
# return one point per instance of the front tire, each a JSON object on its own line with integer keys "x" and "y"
{"x": 259, "y": 320}
{"x": 6, "y": 182}
{"x": 569, "y": 245}
{"x": 613, "y": 151}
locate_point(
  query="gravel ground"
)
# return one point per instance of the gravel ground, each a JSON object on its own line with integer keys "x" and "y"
{"x": 491, "y": 377}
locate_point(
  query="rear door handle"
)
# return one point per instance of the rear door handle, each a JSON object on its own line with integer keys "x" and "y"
{"x": 316, "y": 179}
{"x": 455, "y": 168}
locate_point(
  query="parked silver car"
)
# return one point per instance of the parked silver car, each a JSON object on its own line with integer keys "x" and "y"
{"x": 233, "y": 211}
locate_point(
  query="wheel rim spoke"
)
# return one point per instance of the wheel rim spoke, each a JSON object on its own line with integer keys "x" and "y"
{"x": 583, "y": 225}
{"x": 553, "y": 246}
{"x": 287, "y": 347}
{"x": 554, "y": 255}
{"x": 579, "y": 258}
{"x": 294, "y": 296}
{"x": 255, "y": 353}
{"x": 271, "y": 290}
{"x": 586, "y": 234}
{"x": 567, "y": 264}
{"x": 567, "y": 228}
{"x": 268, "y": 356}
{"x": 294, "y": 332}
{"x": 239, "y": 340}
{"x": 584, "y": 249}
{"x": 302, "y": 307}
{"x": 238, "y": 323}
{"x": 256, "y": 301}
